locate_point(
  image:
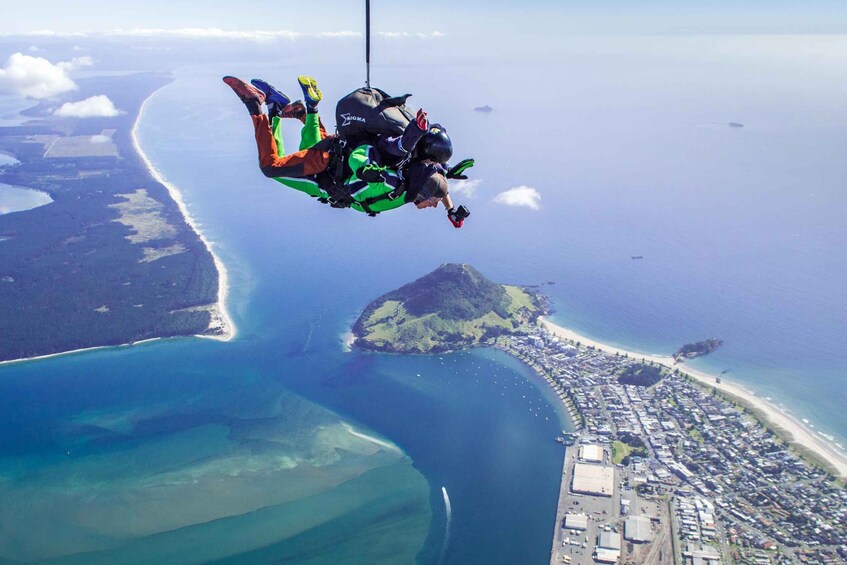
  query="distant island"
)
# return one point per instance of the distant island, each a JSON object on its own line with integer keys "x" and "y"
{"x": 451, "y": 308}
{"x": 735, "y": 125}
{"x": 485, "y": 108}
{"x": 692, "y": 350}
{"x": 112, "y": 260}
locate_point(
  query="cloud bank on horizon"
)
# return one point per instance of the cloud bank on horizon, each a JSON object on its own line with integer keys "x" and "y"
{"x": 36, "y": 77}
{"x": 524, "y": 196}
{"x": 229, "y": 34}
{"x": 93, "y": 107}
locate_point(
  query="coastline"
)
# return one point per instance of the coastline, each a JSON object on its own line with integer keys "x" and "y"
{"x": 220, "y": 321}
{"x": 220, "y": 318}
{"x": 81, "y": 350}
{"x": 789, "y": 426}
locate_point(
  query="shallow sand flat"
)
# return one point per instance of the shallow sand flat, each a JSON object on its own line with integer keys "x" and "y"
{"x": 799, "y": 433}
{"x": 117, "y": 491}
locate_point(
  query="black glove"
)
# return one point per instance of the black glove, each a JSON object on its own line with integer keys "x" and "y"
{"x": 456, "y": 171}
{"x": 457, "y": 216}
{"x": 370, "y": 174}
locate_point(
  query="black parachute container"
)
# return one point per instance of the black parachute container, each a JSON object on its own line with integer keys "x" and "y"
{"x": 370, "y": 112}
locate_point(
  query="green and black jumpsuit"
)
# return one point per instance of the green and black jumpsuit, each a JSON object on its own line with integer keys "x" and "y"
{"x": 370, "y": 197}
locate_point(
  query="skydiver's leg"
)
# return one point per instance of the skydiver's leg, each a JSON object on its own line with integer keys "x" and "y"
{"x": 313, "y": 131}
{"x": 273, "y": 164}
{"x": 272, "y": 158}
{"x": 277, "y": 133}
{"x": 307, "y": 185}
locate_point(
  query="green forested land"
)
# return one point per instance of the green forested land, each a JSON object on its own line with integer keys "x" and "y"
{"x": 641, "y": 375}
{"x": 69, "y": 278}
{"x": 451, "y": 308}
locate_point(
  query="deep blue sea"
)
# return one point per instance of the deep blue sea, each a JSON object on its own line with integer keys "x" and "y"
{"x": 192, "y": 450}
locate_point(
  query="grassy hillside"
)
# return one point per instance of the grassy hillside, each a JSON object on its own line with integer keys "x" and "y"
{"x": 451, "y": 308}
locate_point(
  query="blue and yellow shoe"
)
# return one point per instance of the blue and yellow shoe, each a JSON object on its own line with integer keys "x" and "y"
{"x": 311, "y": 93}
{"x": 274, "y": 99}
{"x": 272, "y": 95}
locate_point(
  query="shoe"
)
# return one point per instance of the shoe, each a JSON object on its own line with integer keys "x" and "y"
{"x": 248, "y": 94}
{"x": 296, "y": 110}
{"x": 311, "y": 93}
{"x": 272, "y": 95}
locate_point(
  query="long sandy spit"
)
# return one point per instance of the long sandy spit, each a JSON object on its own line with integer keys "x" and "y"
{"x": 220, "y": 314}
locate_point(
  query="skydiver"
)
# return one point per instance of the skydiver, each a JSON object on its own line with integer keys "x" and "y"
{"x": 373, "y": 186}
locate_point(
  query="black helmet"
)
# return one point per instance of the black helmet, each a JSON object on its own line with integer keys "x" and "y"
{"x": 435, "y": 145}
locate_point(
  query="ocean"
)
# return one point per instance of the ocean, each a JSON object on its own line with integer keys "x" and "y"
{"x": 282, "y": 445}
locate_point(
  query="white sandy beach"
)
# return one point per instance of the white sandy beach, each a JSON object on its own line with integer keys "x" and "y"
{"x": 800, "y": 434}
{"x": 220, "y": 317}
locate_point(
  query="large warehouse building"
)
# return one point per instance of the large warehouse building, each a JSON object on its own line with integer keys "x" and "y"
{"x": 591, "y": 453}
{"x": 598, "y": 480}
{"x": 638, "y": 529}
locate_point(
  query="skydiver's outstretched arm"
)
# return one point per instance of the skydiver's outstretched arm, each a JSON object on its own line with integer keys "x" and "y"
{"x": 401, "y": 145}
{"x": 447, "y": 202}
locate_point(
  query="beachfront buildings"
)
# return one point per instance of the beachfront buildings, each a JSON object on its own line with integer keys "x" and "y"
{"x": 731, "y": 482}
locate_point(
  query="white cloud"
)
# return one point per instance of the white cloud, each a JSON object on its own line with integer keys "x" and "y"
{"x": 466, "y": 187}
{"x": 36, "y": 77}
{"x": 217, "y": 33}
{"x": 407, "y": 35}
{"x": 520, "y": 196}
{"x": 94, "y": 107}
{"x": 76, "y": 63}
{"x": 34, "y": 49}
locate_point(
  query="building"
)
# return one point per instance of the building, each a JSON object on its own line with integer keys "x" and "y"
{"x": 608, "y": 548}
{"x": 576, "y": 521}
{"x": 701, "y": 555}
{"x": 637, "y": 529}
{"x": 591, "y": 453}
{"x": 597, "y": 480}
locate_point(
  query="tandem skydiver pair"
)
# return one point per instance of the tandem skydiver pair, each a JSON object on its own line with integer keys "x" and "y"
{"x": 382, "y": 157}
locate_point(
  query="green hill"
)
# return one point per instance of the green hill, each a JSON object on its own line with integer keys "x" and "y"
{"x": 450, "y": 308}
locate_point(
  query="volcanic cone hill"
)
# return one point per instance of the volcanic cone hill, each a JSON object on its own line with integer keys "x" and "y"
{"x": 451, "y": 308}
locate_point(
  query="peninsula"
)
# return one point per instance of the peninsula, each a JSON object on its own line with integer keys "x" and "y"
{"x": 114, "y": 258}
{"x": 451, "y": 308}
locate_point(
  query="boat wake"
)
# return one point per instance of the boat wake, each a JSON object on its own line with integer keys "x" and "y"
{"x": 449, "y": 518}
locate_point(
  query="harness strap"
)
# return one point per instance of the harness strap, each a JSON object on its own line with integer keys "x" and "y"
{"x": 368, "y": 202}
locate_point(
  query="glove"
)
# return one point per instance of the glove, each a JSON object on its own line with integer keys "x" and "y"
{"x": 457, "y": 216}
{"x": 421, "y": 120}
{"x": 456, "y": 171}
{"x": 370, "y": 174}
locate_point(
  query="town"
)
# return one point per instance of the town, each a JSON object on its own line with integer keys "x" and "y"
{"x": 664, "y": 470}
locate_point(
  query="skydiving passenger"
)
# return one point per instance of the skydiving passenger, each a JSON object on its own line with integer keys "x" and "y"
{"x": 372, "y": 185}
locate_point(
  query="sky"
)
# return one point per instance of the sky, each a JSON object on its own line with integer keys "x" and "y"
{"x": 470, "y": 18}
